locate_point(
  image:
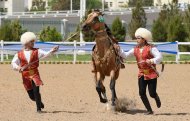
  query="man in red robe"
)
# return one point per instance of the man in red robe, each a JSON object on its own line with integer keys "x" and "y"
{"x": 26, "y": 61}
{"x": 147, "y": 56}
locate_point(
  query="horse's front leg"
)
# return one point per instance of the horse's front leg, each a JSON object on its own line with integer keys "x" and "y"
{"x": 112, "y": 87}
{"x": 100, "y": 88}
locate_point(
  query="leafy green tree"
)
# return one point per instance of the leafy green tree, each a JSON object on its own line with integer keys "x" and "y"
{"x": 87, "y": 36}
{"x": 38, "y": 5}
{"x": 50, "y": 34}
{"x": 138, "y": 19}
{"x": 159, "y": 27}
{"x": 118, "y": 30}
{"x": 65, "y": 4}
{"x": 176, "y": 30}
{"x": 171, "y": 25}
{"x": 11, "y": 31}
{"x": 148, "y": 2}
{"x": 5, "y": 31}
{"x": 61, "y": 4}
{"x": 187, "y": 22}
{"x": 93, "y": 4}
{"x": 132, "y": 3}
{"x": 159, "y": 32}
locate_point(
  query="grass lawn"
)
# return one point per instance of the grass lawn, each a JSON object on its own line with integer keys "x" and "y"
{"x": 63, "y": 57}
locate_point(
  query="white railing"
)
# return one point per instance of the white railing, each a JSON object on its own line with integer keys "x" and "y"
{"x": 183, "y": 53}
{"x": 75, "y": 51}
{"x": 73, "y": 13}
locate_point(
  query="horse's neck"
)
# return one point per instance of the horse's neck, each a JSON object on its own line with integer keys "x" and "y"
{"x": 102, "y": 45}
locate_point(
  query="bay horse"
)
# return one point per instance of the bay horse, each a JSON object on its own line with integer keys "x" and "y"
{"x": 105, "y": 57}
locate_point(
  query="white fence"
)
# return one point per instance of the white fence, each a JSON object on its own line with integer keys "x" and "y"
{"x": 74, "y": 48}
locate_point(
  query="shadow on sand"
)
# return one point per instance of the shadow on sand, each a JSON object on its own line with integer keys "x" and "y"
{"x": 134, "y": 111}
{"x": 139, "y": 111}
{"x": 172, "y": 114}
{"x": 73, "y": 112}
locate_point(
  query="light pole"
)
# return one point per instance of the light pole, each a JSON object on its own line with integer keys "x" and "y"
{"x": 64, "y": 28}
{"x": 0, "y": 20}
{"x": 82, "y": 14}
{"x": 102, "y": 5}
{"x": 46, "y": 5}
{"x": 71, "y": 5}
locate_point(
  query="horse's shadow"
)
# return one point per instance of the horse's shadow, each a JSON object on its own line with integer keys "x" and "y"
{"x": 172, "y": 114}
{"x": 139, "y": 111}
{"x": 134, "y": 111}
{"x": 64, "y": 111}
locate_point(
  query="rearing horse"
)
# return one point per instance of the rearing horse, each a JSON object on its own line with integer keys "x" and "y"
{"x": 104, "y": 55}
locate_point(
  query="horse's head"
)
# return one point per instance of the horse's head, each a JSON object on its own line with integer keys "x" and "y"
{"x": 94, "y": 21}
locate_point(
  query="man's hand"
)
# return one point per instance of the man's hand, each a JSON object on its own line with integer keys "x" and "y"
{"x": 19, "y": 68}
{"x": 149, "y": 61}
{"x": 95, "y": 14}
{"x": 55, "y": 49}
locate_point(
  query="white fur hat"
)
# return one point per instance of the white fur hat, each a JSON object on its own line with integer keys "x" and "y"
{"x": 144, "y": 33}
{"x": 27, "y": 37}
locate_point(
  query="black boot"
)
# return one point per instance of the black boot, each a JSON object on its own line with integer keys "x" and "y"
{"x": 158, "y": 102}
{"x": 147, "y": 105}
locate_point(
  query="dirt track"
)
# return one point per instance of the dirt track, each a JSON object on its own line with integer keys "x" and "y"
{"x": 69, "y": 95}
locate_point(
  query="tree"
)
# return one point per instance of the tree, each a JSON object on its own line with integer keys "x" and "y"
{"x": 170, "y": 25}
{"x": 61, "y": 4}
{"x": 50, "y": 34}
{"x": 187, "y": 22}
{"x": 38, "y": 5}
{"x": 88, "y": 36}
{"x": 11, "y": 31}
{"x": 93, "y": 4}
{"x": 159, "y": 27}
{"x": 175, "y": 27}
{"x": 118, "y": 30}
{"x": 65, "y": 4}
{"x": 5, "y": 31}
{"x": 138, "y": 19}
{"x": 176, "y": 30}
{"x": 159, "y": 32}
{"x": 132, "y": 3}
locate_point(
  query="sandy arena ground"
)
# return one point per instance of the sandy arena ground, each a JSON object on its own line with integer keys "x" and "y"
{"x": 69, "y": 95}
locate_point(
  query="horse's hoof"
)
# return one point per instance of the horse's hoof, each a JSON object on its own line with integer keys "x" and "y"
{"x": 103, "y": 100}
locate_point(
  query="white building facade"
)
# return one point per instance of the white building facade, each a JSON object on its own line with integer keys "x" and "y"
{"x": 10, "y": 6}
{"x": 30, "y": 3}
{"x": 116, "y": 4}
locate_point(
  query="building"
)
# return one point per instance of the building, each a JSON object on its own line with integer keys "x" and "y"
{"x": 162, "y": 2}
{"x": 30, "y": 3}
{"x": 10, "y": 6}
{"x": 116, "y": 4}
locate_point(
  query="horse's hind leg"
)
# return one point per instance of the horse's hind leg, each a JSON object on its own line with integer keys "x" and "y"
{"x": 112, "y": 88}
{"x": 100, "y": 88}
